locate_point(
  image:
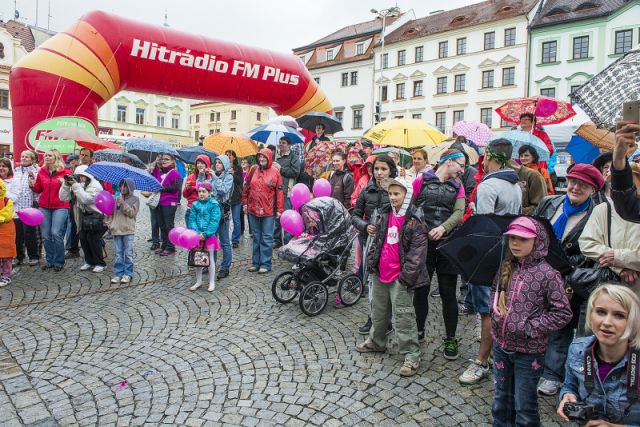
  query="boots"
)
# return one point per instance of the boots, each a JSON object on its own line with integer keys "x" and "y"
{"x": 364, "y": 330}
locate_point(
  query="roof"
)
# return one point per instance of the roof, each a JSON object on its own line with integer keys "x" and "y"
{"x": 21, "y": 32}
{"x": 563, "y": 11}
{"x": 475, "y": 14}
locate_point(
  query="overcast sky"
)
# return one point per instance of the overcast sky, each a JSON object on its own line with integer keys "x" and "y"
{"x": 273, "y": 24}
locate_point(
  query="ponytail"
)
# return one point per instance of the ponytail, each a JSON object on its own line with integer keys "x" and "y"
{"x": 504, "y": 280}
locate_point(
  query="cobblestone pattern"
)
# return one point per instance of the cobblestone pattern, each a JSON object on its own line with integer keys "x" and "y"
{"x": 231, "y": 357}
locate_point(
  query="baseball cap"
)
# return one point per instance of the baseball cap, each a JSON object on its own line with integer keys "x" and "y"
{"x": 388, "y": 182}
{"x": 522, "y": 227}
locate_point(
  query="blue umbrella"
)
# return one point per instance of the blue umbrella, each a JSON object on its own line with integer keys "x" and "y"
{"x": 148, "y": 148}
{"x": 113, "y": 173}
{"x": 582, "y": 150}
{"x": 189, "y": 154}
{"x": 111, "y": 155}
{"x": 519, "y": 138}
{"x": 271, "y": 133}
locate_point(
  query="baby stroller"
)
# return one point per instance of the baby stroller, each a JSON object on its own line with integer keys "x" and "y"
{"x": 320, "y": 256}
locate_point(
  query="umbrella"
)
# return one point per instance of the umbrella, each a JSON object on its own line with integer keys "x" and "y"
{"x": 148, "y": 148}
{"x": 405, "y": 156}
{"x": 286, "y": 120}
{"x": 434, "y": 153}
{"x": 519, "y": 138}
{"x": 477, "y": 132}
{"x": 581, "y": 150}
{"x": 98, "y": 145}
{"x": 310, "y": 120}
{"x": 271, "y": 133}
{"x": 117, "y": 156}
{"x": 113, "y": 173}
{"x": 601, "y": 138}
{"x": 547, "y": 111}
{"x": 189, "y": 154}
{"x": 405, "y": 133}
{"x": 603, "y": 95}
{"x": 75, "y": 134}
{"x": 478, "y": 246}
{"x": 562, "y": 133}
{"x": 225, "y": 140}
{"x": 318, "y": 159}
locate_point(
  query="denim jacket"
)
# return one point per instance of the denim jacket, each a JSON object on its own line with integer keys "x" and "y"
{"x": 612, "y": 394}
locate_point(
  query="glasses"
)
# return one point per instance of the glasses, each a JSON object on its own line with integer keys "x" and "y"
{"x": 577, "y": 183}
{"x": 459, "y": 164}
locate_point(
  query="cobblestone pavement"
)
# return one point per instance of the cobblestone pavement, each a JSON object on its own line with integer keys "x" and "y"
{"x": 77, "y": 350}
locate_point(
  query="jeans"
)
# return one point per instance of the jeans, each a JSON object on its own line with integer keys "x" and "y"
{"x": 558, "y": 346}
{"x": 280, "y": 236}
{"x": 237, "y": 228}
{"x": 166, "y": 219}
{"x": 515, "y": 399}
{"x": 262, "y": 228}
{"x": 52, "y": 228}
{"x": 225, "y": 245}
{"x": 124, "y": 255}
{"x": 155, "y": 225}
{"x": 480, "y": 298}
{"x": 26, "y": 237}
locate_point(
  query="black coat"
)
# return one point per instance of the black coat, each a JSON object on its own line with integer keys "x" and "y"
{"x": 371, "y": 198}
{"x": 238, "y": 182}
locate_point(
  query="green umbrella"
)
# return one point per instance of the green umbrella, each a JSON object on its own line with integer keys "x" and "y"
{"x": 405, "y": 156}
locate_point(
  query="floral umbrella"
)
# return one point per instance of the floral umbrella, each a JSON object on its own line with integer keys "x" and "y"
{"x": 547, "y": 111}
{"x": 318, "y": 159}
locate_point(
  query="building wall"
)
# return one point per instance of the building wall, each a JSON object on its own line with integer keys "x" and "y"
{"x": 211, "y": 117}
{"x": 12, "y": 52}
{"x": 566, "y": 72}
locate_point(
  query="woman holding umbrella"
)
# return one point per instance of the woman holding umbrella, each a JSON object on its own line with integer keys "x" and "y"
{"x": 167, "y": 175}
{"x": 530, "y": 158}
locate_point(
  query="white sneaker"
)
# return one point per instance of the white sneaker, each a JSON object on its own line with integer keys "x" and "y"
{"x": 98, "y": 269}
{"x": 4, "y": 281}
{"x": 125, "y": 279}
{"x": 549, "y": 387}
{"x": 115, "y": 280}
{"x": 212, "y": 287}
{"x": 474, "y": 373}
{"x": 85, "y": 267}
{"x": 196, "y": 286}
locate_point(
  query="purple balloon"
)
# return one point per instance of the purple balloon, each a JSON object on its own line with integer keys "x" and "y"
{"x": 299, "y": 195}
{"x": 189, "y": 239}
{"x": 322, "y": 188}
{"x": 546, "y": 107}
{"x": 174, "y": 235}
{"x": 105, "y": 202}
{"x": 291, "y": 222}
{"x": 31, "y": 216}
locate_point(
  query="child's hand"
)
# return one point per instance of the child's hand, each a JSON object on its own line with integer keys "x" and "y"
{"x": 371, "y": 229}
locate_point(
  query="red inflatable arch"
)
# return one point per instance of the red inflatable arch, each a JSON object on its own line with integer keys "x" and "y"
{"x": 77, "y": 71}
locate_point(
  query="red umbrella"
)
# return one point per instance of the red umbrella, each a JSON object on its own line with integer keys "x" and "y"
{"x": 547, "y": 111}
{"x": 98, "y": 145}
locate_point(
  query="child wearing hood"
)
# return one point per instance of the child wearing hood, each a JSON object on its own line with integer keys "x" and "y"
{"x": 222, "y": 184}
{"x": 529, "y": 301}
{"x": 398, "y": 261}
{"x": 122, "y": 224}
{"x": 7, "y": 236}
{"x": 205, "y": 220}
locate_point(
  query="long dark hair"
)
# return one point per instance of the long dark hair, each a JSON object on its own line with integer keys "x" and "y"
{"x": 389, "y": 161}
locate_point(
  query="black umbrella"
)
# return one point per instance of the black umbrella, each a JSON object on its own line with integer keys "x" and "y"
{"x": 478, "y": 246}
{"x": 189, "y": 154}
{"x": 310, "y": 120}
{"x": 111, "y": 155}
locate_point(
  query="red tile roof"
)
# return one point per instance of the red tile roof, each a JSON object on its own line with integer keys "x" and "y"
{"x": 21, "y": 32}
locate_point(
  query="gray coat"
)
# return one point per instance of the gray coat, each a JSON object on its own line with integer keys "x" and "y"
{"x": 290, "y": 170}
{"x": 499, "y": 193}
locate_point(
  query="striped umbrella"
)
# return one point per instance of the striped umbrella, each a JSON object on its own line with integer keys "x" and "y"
{"x": 114, "y": 173}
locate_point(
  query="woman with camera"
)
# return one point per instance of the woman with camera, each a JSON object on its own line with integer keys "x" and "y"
{"x": 89, "y": 220}
{"x": 601, "y": 381}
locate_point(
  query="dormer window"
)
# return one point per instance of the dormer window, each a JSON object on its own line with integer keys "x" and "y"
{"x": 302, "y": 58}
{"x": 506, "y": 9}
{"x": 360, "y": 49}
{"x": 586, "y": 5}
{"x": 557, "y": 11}
{"x": 458, "y": 19}
{"x": 329, "y": 54}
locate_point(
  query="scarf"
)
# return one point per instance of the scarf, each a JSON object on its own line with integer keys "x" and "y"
{"x": 568, "y": 210}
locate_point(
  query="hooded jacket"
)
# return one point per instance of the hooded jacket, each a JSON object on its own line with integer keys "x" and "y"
{"x": 84, "y": 196}
{"x": 123, "y": 220}
{"x": 190, "y": 192}
{"x": 533, "y": 186}
{"x": 48, "y": 187}
{"x": 205, "y": 216}
{"x": 222, "y": 184}
{"x": 263, "y": 193}
{"x": 535, "y": 299}
{"x": 499, "y": 193}
{"x": 372, "y": 197}
{"x": 7, "y": 226}
{"x": 363, "y": 179}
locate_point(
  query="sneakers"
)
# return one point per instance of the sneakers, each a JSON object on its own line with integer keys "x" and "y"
{"x": 450, "y": 348}
{"x": 549, "y": 387}
{"x": 212, "y": 287}
{"x": 364, "y": 330}
{"x": 86, "y": 267}
{"x": 465, "y": 309}
{"x": 115, "y": 280}
{"x": 58, "y": 268}
{"x": 4, "y": 281}
{"x": 369, "y": 347}
{"x": 252, "y": 269}
{"x": 196, "y": 286}
{"x": 436, "y": 292}
{"x": 222, "y": 274}
{"x": 125, "y": 279}
{"x": 154, "y": 247}
{"x": 98, "y": 269}
{"x": 474, "y": 373}
{"x": 263, "y": 271}
{"x": 420, "y": 336}
{"x": 33, "y": 262}
{"x": 235, "y": 245}
{"x": 409, "y": 368}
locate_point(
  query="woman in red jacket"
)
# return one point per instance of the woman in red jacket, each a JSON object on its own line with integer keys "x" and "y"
{"x": 47, "y": 185}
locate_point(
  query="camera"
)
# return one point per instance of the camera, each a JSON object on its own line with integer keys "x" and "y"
{"x": 582, "y": 412}
{"x": 71, "y": 177}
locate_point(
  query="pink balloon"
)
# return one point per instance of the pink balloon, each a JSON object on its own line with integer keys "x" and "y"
{"x": 31, "y": 216}
{"x": 299, "y": 195}
{"x": 291, "y": 222}
{"x": 189, "y": 239}
{"x": 174, "y": 235}
{"x": 105, "y": 202}
{"x": 546, "y": 107}
{"x": 322, "y": 188}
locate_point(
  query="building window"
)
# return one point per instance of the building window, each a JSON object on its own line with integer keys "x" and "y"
{"x": 509, "y": 37}
{"x": 339, "y": 115}
{"x": 197, "y": 118}
{"x": 329, "y": 54}
{"x": 384, "y": 93}
{"x": 574, "y": 88}
{"x": 549, "y": 50}
{"x": 550, "y": 92}
{"x": 487, "y": 79}
{"x": 259, "y": 116}
{"x": 509, "y": 76}
{"x": 419, "y": 53}
{"x": 581, "y": 47}
{"x": 489, "y": 40}
{"x": 354, "y": 78}
{"x": 460, "y": 83}
{"x": 345, "y": 80}
{"x": 218, "y": 116}
{"x": 302, "y": 58}
{"x": 441, "y": 120}
{"x": 458, "y": 116}
{"x": 4, "y": 99}
{"x": 232, "y": 129}
{"x": 417, "y": 116}
{"x": 384, "y": 61}
{"x": 212, "y": 116}
{"x": 160, "y": 120}
{"x": 443, "y": 49}
{"x": 461, "y": 46}
{"x": 317, "y": 80}
{"x": 139, "y": 116}
{"x": 485, "y": 116}
{"x": 234, "y": 115}
{"x": 175, "y": 121}
{"x": 1, "y": 51}
{"x": 400, "y": 91}
{"x": 357, "y": 119}
{"x": 623, "y": 41}
{"x": 197, "y": 133}
{"x": 122, "y": 113}
{"x": 402, "y": 57}
{"x": 417, "y": 88}
{"x": 441, "y": 85}
{"x": 359, "y": 49}
{"x": 505, "y": 124}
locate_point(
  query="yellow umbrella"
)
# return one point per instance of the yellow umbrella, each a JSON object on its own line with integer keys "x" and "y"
{"x": 405, "y": 133}
{"x": 223, "y": 141}
{"x": 435, "y": 152}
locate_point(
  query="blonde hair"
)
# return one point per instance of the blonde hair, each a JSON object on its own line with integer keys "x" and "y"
{"x": 504, "y": 280}
{"x": 59, "y": 163}
{"x": 629, "y": 301}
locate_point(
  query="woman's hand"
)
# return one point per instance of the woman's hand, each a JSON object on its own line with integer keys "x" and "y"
{"x": 606, "y": 259}
{"x": 629, "y": 276}
{"x": 568, "y": 397}
{"x": 371, "y": 229}
{"x": 209, "y": 171}
{"x": 61, "y": 181}
{"x": 437, "y": 233}
{"x": 244, "y": 209}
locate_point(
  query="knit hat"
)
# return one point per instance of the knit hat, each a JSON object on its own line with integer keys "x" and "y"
{"x": 206, "y": 185}
{"x": 588, "y": 174}
{"x": 522, "y": 227}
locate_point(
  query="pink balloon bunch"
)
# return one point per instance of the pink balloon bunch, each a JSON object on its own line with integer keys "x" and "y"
{"x": 174, "y": 235}
{"x": 322, "y": 188}
{"x": 30, "y": 216}
{"x": 184, "y": 237}
{"x": 105, "y": 202}
{"x": 546, "y": 107}
{"x": 299, "y": 195}
{"x": 291, "y": 222}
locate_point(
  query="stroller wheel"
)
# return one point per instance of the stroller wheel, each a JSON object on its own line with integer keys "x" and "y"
{"x": 284, "y": 287}
{"x": 313, "y": 298}
{"x": 350, "y": 289}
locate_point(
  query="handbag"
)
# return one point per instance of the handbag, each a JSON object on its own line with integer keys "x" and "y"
{"x": 198, "y": 257}
{"x": 92, "y": 222}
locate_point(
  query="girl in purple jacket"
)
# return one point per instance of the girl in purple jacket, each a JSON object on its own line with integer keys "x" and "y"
{"x": 529, "y": 301}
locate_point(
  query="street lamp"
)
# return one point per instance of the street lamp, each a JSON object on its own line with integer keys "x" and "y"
{"x": 382, "y": 14}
